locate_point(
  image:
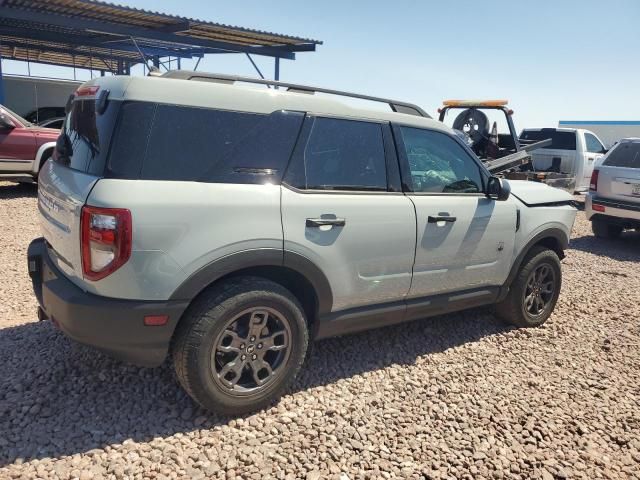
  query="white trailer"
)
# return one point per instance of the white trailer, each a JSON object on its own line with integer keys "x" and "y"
{"x": 609, "y": 131}
{"x": 24, "y": 95}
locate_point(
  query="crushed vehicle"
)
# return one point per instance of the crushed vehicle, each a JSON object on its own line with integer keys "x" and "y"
{"x": 229, "y": 225}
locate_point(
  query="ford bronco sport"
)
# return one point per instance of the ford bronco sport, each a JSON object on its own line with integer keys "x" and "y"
{"x": 230, "y": 225}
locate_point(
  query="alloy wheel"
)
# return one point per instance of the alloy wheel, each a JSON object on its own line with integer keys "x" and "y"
{"x": 251, "y": 351}
{"x": 539, "y": 289}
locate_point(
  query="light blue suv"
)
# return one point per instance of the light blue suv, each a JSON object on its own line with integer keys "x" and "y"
{"x": 230, "y": 225}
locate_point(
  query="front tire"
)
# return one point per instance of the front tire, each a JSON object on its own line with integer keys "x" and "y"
{"x": 240, "y": 345}
{"x": 604, "y": 229}
{"x": 534, "y": 292}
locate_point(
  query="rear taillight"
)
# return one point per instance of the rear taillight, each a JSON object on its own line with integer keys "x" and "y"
{"x": 593, "y": 185}
{"x": 105, "y": 240}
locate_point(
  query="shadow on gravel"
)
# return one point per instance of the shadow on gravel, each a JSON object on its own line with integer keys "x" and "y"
{"x": 17, "y": 190}
{"x": 625, "y": 248}
{"x": 60, "y": 398}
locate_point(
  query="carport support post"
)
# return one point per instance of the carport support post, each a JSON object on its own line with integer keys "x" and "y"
{"x": 276, "y": 75}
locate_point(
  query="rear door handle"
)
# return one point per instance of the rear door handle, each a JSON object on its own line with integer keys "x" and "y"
{"x": 437, "y": 219}
{"x": 321, "y": 222}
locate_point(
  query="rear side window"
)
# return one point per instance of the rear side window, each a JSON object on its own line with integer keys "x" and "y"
{"x": 168, "y": 142}
{"x": 593, "y": 144}
{"x": 341, "y": 155}
{"x": 130, "y": 140}
{"x": 625, "y": 154}
{"x": 559, "y": 140}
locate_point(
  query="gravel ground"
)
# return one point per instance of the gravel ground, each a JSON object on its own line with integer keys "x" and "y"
{"x": 457, "y": 396}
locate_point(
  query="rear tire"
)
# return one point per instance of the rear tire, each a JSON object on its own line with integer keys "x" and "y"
{"x": 534, "y": 292}
{"x": 240, "y": 345}
{"x": 604, "y": 229}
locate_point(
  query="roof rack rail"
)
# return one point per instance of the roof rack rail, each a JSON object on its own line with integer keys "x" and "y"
{"x": 396, "y": 106}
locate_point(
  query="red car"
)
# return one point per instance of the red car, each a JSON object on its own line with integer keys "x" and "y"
{"x": 24, "y": 147}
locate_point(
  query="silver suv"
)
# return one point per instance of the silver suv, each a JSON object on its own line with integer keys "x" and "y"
{"x": 230, "y": 225}
{"x": 613, "y": 201}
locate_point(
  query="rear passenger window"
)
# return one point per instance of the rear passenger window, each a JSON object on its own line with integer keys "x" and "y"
{"x": 341, "y": 155}
{"x": 218, "y": 146}
{"x": 625, "y": 154}
{"x": 130, "y": 142}
{"x": 439, "y": 164}
{"x": 168, "y": 142}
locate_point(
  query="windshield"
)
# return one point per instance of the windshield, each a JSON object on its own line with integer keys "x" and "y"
{"x": 16, "y": 117}
{"x": 559, "y": 140}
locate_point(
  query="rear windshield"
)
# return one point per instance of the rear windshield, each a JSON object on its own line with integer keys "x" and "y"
{"x": 559, "y": 140}
{"x": 87, "y": 136}
{"x": 626, "y": 154}
{"x": 169, "y": 142}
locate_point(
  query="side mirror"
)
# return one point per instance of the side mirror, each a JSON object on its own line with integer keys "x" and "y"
{"x": 498, "y": 189}
{"x": 5, "y": 123}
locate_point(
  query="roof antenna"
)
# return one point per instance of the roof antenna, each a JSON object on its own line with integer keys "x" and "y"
{"x": 153, "y": 70}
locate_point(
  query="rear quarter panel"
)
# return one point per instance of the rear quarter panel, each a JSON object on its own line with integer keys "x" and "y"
{"x": 180, "y": 227}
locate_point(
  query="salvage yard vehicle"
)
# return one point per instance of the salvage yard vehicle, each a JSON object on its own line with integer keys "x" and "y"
{"x": 572, "y": 151}
{"x": 24, "y": 147}
{"x": 488, "y": 129}
{"x": 613, "y": 201}
{"x": 230, "y": 225}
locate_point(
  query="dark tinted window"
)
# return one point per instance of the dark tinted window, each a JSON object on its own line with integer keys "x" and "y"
{"x": 341, "y": 155}
{"x": 559, "y": 140}
{"x": 626, "y": 154}
{"x": 130, "y": 140}
{"x": 87, "y": 136}
{"x": 199, "y": 144}
{"x": 44, "y": 113}
{"x": 439, "y": 164}
{"x": 593, "y": 144}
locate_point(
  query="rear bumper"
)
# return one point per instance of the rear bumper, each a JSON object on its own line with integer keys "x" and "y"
{"x": 112, "y": 325}
{"x": 613, "y": 210}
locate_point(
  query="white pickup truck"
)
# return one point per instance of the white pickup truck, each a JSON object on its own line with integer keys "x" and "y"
{"x": 572, "y": 154}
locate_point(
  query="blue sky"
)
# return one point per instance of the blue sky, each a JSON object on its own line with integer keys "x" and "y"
{"x": 553, "y": 60}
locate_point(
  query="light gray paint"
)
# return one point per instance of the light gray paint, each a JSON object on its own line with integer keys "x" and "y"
{"x": 368, "y": 260}
{"x": 474, "y": 251}
{"x": 180, "y": 227}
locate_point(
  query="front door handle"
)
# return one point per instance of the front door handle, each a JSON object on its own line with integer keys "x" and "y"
{"x": 591, "y": 159}
{"x": 321, "y": 222}
{"x": 437, "y": 219}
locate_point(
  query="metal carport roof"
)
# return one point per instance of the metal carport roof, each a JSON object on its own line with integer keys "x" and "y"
{"x": 109, "y": 37}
